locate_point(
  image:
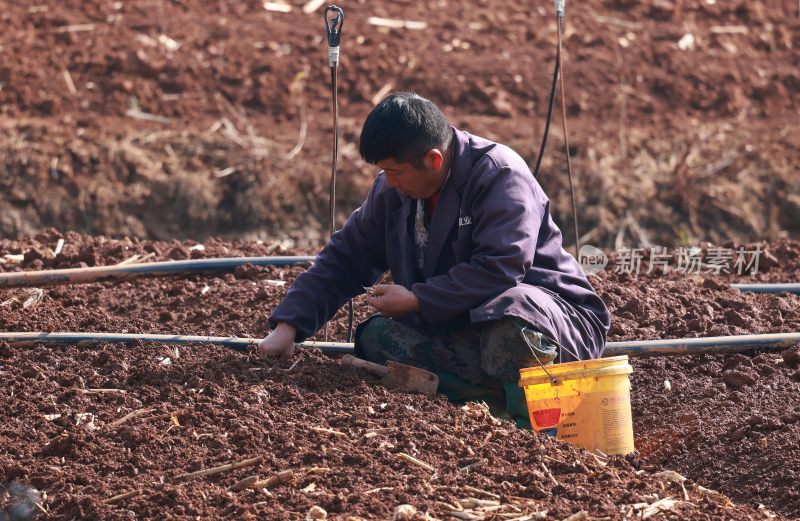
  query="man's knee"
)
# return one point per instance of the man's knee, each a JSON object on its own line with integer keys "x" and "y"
{"x": 381, "y": 339}
{"x": 510, "y": 344}
{"x": 370, "y": 336}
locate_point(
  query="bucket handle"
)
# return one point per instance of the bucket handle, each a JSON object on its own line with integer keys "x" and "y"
{"x": 553, "y": 379}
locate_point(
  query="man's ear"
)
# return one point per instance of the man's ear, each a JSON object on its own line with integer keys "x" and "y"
{"x": 434, "y": 158}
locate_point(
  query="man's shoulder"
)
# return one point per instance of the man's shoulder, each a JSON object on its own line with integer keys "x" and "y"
{"x": 497, "y": 162}
{"x": 488, "y": 153}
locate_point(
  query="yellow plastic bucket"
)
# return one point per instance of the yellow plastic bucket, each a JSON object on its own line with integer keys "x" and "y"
{"x": 588, "y": 406}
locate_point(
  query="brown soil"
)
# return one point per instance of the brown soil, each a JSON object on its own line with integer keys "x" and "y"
{"x": 668, "y": 144}
{"x": 728, "y": 423}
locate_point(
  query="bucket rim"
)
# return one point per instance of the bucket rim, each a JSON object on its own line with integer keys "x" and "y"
{"x": 540, "y": 376}
{"x": 577, "y": 365}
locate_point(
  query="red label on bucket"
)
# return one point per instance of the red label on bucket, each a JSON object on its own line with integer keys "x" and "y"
{"x": 545, "y": 418}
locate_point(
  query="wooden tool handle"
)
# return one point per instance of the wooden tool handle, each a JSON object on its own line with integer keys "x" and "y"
{"x": 364, "y": 364}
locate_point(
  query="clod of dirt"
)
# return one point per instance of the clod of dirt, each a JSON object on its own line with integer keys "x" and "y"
{"x": 791, "y": 357}
{"x": 32, "y": 255}
{"x": 179, "y": 253}
{"x": 737, "y": 360}
{"x": 790, "y": 418}
{"x": 246, "y": 271}
{"x": 740, "y": 378}
{"x": 634, "y": 306}
{"x": 734, "y": 317}
{"x": 738, "y": 434}
{"x": 710, "y": 283}
{"x": 768, "y": 424}
{"x": 767, "y": 260}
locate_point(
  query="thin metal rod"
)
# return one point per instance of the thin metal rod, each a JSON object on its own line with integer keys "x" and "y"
{"x": 791, "y": 287}
{"x": 132, "y": 271}
{"x": 559, "y": 24}
{"x": 332, "y": 202}
{"x": 335, "y": 154}
{"x": 677, "y": 346}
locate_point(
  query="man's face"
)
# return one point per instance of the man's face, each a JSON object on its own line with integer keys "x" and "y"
{"x": 417, "y": 183}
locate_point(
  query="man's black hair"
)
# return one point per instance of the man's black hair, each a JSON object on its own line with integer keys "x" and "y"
{"x": 403, "y": 127}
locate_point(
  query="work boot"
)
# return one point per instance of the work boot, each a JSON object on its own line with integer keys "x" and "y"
{"x": 507, "y": 403}
{"x": 517, "y": 405}
{"x": 541, "y": 346}
{"x": 460, "y": 391}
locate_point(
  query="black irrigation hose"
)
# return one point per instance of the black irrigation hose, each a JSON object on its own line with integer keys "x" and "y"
{"x": 662, "y": 347}
{"x": 786, "y": 287}
{"x": 123, "y": 272}
{"x": 549, "y": 112}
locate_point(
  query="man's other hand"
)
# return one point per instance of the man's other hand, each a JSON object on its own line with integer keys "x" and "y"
{"x": 392, "y": 300}
{"x": 279, "y": 343}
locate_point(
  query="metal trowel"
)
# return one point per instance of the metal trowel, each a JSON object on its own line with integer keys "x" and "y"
{"x": 398, "y": 376}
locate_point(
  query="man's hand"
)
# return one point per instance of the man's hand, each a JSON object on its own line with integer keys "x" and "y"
{"x": 392, "y": 300}
{"x": 279, "y": 343}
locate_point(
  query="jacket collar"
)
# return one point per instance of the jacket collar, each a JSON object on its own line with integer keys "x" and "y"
{"x": 462, "y": 160}
{"x": 449, "y": 203}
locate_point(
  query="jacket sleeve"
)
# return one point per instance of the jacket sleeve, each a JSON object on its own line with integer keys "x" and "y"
{"x": 506, "y": 211}
{"x": 354, "y": 257}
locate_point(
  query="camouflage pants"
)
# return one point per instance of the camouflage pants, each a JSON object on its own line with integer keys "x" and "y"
{"x": 487, "y": 356}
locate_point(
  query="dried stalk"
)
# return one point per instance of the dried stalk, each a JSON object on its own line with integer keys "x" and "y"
{"x": 76, "y": 28}
{"x": 243, "y": 484}
{"x": 165, "y": 416}
{"x": 281, "y": 477}
{"x": 296, "y": 89}
{"x": 548, "y": 474}
{"x": 466, "y": 516}
{"x": 137, "y": 259}
{"x": 396, "y": 24}
{"x": 130, "y": 416}
{"x": 473, "y": 466}
{"x": 414, "y": 461}
{"x": 144, "y": 116}
{"x": 328, "y": 431}
{"x": 70, "y": 83}
{"x": 475, "y": 490}
{"x": 35, "y": 296}
{"x": 218, "y": 470}
{"x": 379, "y": 489}
{"x": 312, "y": 6}
{"x": 123, "y": 496}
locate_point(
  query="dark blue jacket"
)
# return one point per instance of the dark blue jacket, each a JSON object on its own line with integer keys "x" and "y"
{"x": 493, "y": 250}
